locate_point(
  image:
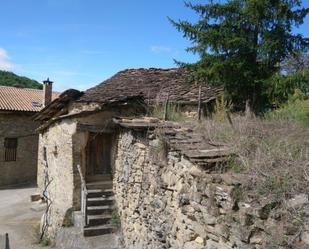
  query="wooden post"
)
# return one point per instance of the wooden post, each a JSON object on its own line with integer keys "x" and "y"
{"x": 165, "y": 108}
{"x": 6, "y": 241}
{"x": 199, "y": 111}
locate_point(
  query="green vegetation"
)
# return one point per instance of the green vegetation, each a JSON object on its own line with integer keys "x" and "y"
{"x": 11, "y": 79}
{"x": 241, "y": 45}
{"x": 46, "y": 242}
{"x": 115, "y": 220}
{"x": 296, "y": 109}
{"x": 173, "y": 112}
{"x": 281, "y": 87}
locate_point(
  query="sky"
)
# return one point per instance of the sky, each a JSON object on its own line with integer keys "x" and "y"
{"x": 80, "y": 43}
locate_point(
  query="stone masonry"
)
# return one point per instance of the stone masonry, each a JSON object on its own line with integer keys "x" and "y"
{"x": 24, "y": 169}
{"x": 165, "y": 201}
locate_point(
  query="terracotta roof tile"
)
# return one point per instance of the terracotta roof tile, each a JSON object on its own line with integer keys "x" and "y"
{"x": 22, "y": 99}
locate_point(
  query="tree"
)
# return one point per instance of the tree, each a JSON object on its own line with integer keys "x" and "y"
{"x": 295, "y": 63}
{"x": 11, "y": 79}
{"x": 241, "y": 44}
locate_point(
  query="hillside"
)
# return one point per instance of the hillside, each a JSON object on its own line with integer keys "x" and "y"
{"x": 11, "y": 79}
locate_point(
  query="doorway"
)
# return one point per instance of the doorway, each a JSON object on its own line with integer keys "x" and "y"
{"x": 99, "y": 154}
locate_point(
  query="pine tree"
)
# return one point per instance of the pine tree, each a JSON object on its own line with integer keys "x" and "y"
{"x": 241, "y": 44}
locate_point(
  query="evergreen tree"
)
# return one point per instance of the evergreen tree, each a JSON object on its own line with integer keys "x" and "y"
{"x": 241, "y": 44}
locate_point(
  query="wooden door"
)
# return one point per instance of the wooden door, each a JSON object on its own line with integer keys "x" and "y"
{"x": 99, "y": 154}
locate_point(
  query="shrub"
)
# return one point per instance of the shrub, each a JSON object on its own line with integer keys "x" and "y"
{"x": 222, "y": 107}
{"x": 296, "y": 109}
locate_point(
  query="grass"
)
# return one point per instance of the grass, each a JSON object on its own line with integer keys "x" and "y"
{"x": 272, "y": 164}
{"x": 115, "y": 220}
{"x": 293, "y": 111}
{"x": 46, "y": 242}
{"x": 273, "y": 154}
{"x": 173, "y": 112}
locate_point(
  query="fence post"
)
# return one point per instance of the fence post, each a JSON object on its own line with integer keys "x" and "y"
{"x": 6, "y": 241}
{"x": 199, "y": 108}
{"x": 166, "y": 108}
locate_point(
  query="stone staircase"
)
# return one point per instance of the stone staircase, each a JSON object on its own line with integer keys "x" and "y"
{"x": 100, "y": 206}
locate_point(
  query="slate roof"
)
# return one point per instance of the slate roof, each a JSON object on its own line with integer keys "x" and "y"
{"x": 58, "y": 104}
{"x": 153, "y": 84}
{"x": 22, "y": 99}
{"x": 181, "y": 137}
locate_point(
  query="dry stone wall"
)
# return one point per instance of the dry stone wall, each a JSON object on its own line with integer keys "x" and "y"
{"x": 165, "y": 201}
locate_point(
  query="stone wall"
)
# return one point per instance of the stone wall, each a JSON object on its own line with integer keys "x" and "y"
{"x": 164, "y": 201}
{"x": 65, "y": 148}
{"x": 58, "y": 172}
{"x": 22, "y": 127}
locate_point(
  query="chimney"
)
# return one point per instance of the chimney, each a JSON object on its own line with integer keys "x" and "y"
{"x": 47, "y": 92}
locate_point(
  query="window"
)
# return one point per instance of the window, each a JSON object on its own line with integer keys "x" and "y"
{"x": 10, "y": 146}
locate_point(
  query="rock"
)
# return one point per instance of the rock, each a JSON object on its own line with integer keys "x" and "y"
{"x": 256, "y": 238}
{"x": 264, "y": 211}
{"x": 305, "y": 237}
{"x": 35, "y": 197}
{"x": 192, "y": 245}
{"x": 195, "y": 171}
{"x": 292, "y": 227}
{"x": 198, "y": 229}
{"x": 298, "y": 201}
{"x": 230, "y": 179}
{"x": 199, "y": 240}
{"x": 216, "y": 245}
{"x": 169, "y": 178}
{"x": 223, "y": 197}
{"x": 222, "y": 230}
{"x": 209, "y": 219}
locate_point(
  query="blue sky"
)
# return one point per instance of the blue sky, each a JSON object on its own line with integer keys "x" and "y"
{"x": 79, "y": 43}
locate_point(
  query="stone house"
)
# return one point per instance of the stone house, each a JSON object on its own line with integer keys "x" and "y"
{"x": 78, "y": 129}
{"x": 18, "y": 136}
{"x": 167, "y": 180}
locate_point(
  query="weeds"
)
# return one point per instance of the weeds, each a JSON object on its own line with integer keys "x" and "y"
{"x": 296, "y": 109}
{"x": 221, "y": 110}
{"x": 173, "y": 112}
{"x": 115, "y": 220}
{"x": 273, "y": 155}
{"x": 46, "y": 242}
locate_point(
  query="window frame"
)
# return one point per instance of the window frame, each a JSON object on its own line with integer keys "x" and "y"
{"x": 10, "y": 149}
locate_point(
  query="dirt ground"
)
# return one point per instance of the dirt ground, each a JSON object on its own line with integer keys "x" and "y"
{"x": 19, "y": 217}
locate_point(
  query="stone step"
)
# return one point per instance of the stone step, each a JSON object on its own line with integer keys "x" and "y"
{"x": 100, "y": 201}
{"x": 95, "y": 210}
{"x": 95, "y": 220}
{"x": 100, "y": 185}
{"x": 92, "y": 193}
{"x": 99, "y": 230}
{"x": 96, "y": 178}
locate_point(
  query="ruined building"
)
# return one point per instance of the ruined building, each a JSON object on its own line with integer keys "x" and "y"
{"x": 78, "y": 129}
{"x": 166, "y": 182}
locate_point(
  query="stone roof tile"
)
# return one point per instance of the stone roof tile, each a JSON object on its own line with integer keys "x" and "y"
{"x": 153, "y": 84}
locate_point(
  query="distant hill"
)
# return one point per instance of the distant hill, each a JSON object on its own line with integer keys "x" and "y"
{"x": 11, "y": 79}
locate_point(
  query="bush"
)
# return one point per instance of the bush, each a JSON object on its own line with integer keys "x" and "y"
{"x": 281, "y": 87}
{"x": 296, "y": 109}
